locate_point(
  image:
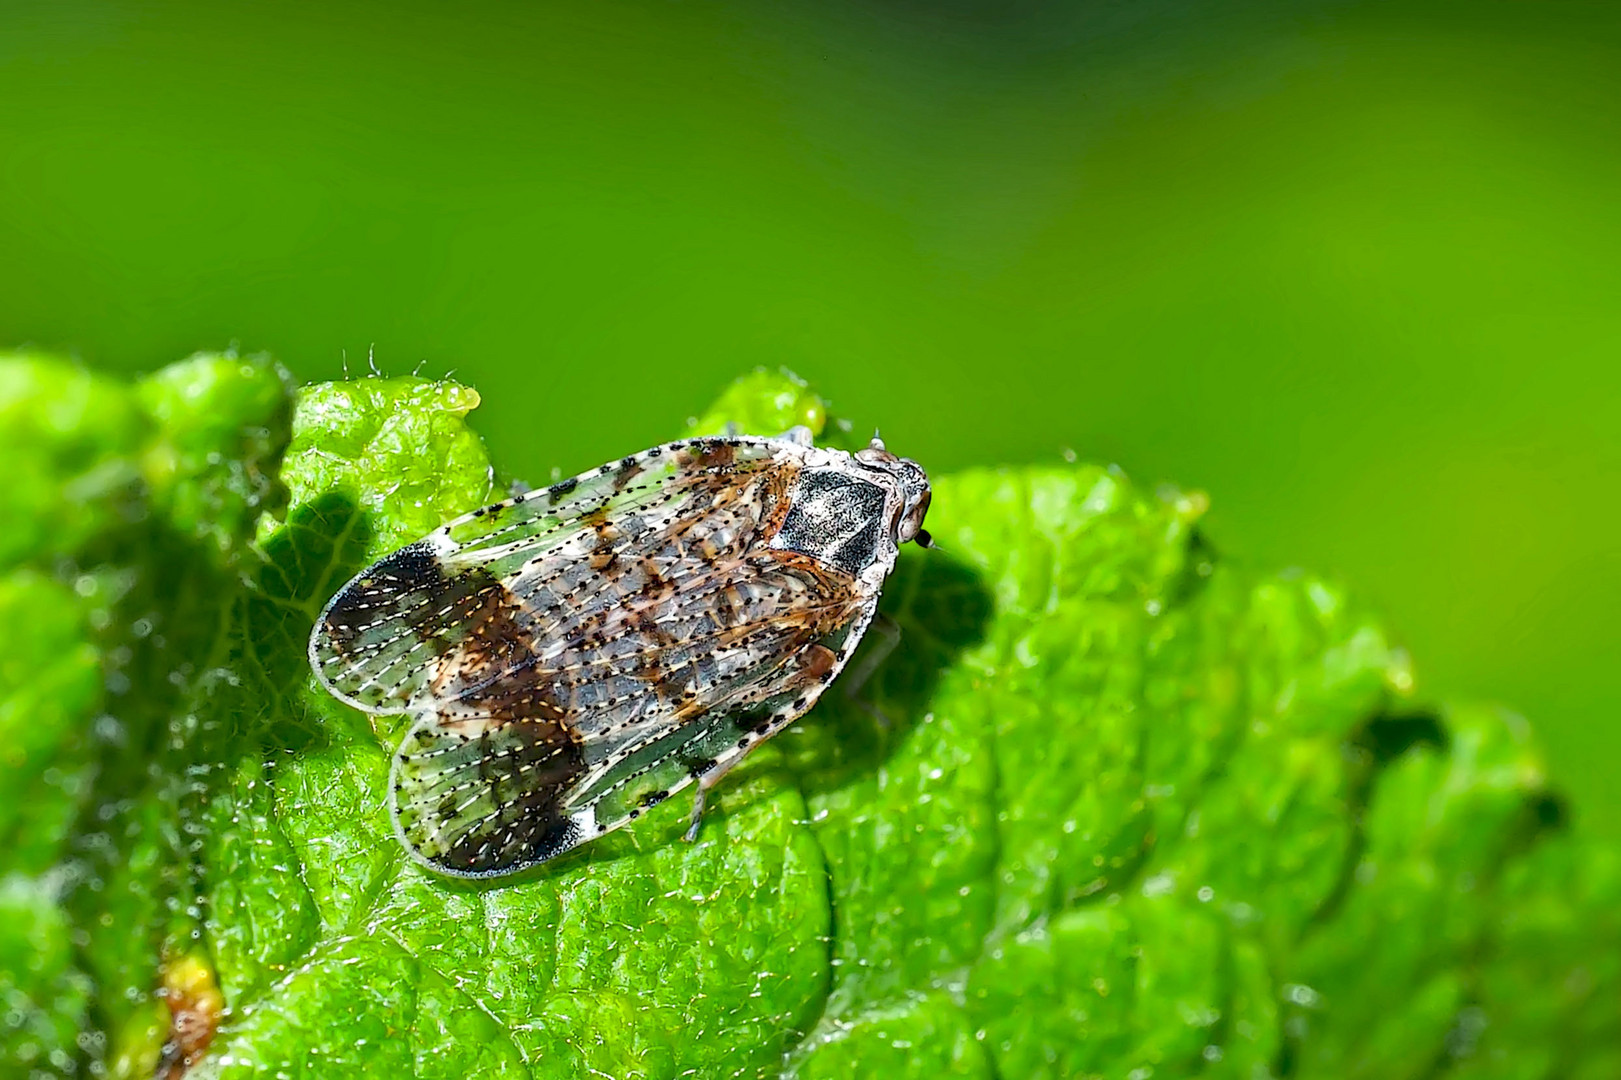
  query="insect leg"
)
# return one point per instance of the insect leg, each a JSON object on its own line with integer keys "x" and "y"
{"x": 718, "y": 773}
{"x": 697, "y": 811}
{"x": 817, "y": 660}
{"x": 888, "y": 636}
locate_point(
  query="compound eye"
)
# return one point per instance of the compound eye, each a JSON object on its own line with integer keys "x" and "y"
{"x": 911, "y": 527}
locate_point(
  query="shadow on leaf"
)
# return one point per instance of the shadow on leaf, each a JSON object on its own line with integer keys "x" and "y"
{"x": 941, "y": 606}
{"x": 323, "y": 543}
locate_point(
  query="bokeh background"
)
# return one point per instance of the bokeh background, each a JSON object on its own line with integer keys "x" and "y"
{"x": 1353, "y": 268}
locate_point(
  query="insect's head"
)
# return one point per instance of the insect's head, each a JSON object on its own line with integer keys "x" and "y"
{"x": 914, "y": 485}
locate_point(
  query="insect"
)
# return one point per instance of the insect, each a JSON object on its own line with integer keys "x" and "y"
{"x": 575, "y": 655}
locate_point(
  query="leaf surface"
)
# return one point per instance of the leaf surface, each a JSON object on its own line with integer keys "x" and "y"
{"x": 1114, "y": 806}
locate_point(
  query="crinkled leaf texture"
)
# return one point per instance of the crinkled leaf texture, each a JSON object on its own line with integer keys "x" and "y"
{"x": 1113, "y": 807}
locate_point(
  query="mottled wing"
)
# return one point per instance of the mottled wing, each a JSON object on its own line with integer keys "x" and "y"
{"x": 577, "y": 654}
{"x": 516, "y": 794}
{"x": 480, "y": 593}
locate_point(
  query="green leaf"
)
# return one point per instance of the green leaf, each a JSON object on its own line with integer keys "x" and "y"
{"x": 68, "y": 440}
{"x": 132, "y": 507}
{"x": 46, "y": 998}
{"x": 1113, "y": 806}
{"x": 763, "y": 403}
{"x": 50, "y": 688}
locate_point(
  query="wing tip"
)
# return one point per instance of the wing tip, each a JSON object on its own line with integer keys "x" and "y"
{"x": 443, "y": 850}
{"x": 337, "y": 626}
{"x": 415, "y": 850}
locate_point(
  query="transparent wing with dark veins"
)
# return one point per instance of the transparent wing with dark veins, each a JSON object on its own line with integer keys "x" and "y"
{"x": 485, "y": 585}
{"x": 515, "y": 794}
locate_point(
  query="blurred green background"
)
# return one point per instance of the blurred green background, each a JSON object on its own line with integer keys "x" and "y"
{"x": 1353, "y": 268}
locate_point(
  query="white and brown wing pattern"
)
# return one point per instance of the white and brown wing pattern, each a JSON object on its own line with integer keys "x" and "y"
{"x": 578, "y": 654}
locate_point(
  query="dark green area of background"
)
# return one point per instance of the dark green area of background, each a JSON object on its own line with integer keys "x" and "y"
{"x": 1351, "y": 267}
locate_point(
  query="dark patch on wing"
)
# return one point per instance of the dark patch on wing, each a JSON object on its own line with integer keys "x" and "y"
{"x": 386, "y": 586}
{"x": 522, "y": 769}
{"x": 408, "y": 614}
{"x": 494, "y": 642}
{"x": 515, "y": 693}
